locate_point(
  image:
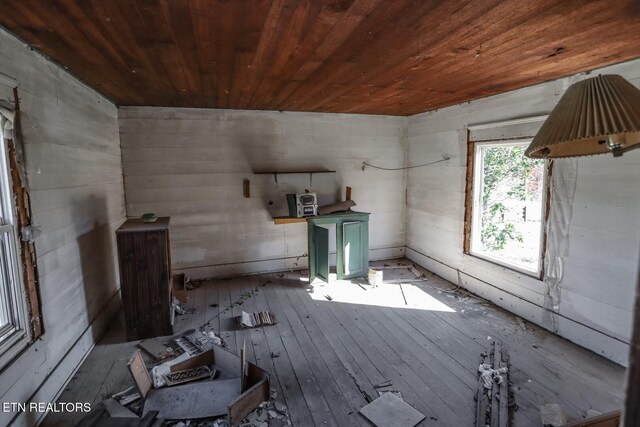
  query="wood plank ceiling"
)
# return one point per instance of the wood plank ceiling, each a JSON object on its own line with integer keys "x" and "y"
{"x": 397, "y": 57}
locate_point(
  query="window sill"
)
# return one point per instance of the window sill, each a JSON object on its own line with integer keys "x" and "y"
{"x": 503, "y": 264}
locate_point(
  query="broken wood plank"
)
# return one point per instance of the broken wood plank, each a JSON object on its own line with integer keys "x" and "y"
{"x": 610, "y": 419}
{"x": 495, "y": 403}
{"x": 116, "y": 410}
{"x": 504, "y": 395}
{"x": 482, "y": 400}
{"x": 140, "y": 374}
{"x": 155, "y": 348}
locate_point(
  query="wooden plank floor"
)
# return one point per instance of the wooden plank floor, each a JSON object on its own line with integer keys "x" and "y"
{"x": 420, "y": 334}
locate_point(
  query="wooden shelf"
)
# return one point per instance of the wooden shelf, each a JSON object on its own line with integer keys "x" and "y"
{"x": 287, "y": 220}
{"x": 310, "y": 172}
{"x": 291, "y": 172}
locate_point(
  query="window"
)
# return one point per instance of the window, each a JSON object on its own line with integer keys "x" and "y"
{"x": 508, "y": 206}
{"x": 14, "y": 334}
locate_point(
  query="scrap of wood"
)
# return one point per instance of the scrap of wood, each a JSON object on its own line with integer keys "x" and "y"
{"x": 348, "y": 195}
{"x": 383, "y": 384}
{"x": 243, "y": 366}
{"x": 482, "y": 400}
{"x": 416, "y": 272}
{"x": 139, "y": 373}
{"x": 495, "y": 403}
{"x": 610, "y": 419}
{"x": 250, "y": 399}
{"x": 155, "y": 348}
{"x": 122, "y": 393}
{"x": 504, "y": 397}
{"x": 130, "y": 398}
{"x": 116, "y": 410}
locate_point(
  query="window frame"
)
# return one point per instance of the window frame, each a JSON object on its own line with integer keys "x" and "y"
{"x": 474, "y": 190}
{"x": 16, "y": 336}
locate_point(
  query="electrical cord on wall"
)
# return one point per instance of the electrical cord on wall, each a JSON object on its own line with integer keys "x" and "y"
{"x": 445, "y": 157}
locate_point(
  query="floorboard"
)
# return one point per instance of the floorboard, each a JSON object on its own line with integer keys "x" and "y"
{"x": 331, "y": 353}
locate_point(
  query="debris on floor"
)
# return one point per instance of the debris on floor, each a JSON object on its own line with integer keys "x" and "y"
{"x": 177, "y": 307}
{"x": 188, "y": 375}
{"x": 255, "y": 319}
{"x": 375, "y": 277}
{"x": 385, "y": 387}
{"x": 552, "y": 415}
{"x": 193, "y": 382}
{"x": 383, "y": 384}
{"x": 209, "y": 384}
{"x": 492, "y": 395}
{"x": 117, "y": 410}
{"x": 391, "y": 410}
{"x": 156, "y": 348}
{"x": 195, "y": 341}
{"x": 269, "y": 413}
{"x": 490, "y": 376}
{"x": 191, "y": 284}
{"x": 100, "y": 417}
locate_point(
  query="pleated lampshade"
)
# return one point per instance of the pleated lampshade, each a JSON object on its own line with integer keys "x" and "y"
{"x": 597, "y": 115}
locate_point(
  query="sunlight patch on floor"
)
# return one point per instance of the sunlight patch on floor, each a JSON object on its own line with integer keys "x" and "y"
{"x": 395, "y": 295}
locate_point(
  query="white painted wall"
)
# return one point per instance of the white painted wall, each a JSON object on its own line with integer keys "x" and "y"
{"x": 601, "y": 268}
{"x": 190, "y": 164}
{"x": 75, "y": 176}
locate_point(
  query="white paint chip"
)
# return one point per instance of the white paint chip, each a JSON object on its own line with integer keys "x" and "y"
{"x": 390, "y": 411}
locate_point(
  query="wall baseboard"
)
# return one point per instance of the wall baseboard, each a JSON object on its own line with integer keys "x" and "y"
{"x": 275, "y": 265}
{"x": 569, "y": 329}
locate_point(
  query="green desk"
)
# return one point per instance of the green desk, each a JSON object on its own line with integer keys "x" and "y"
{"x": 352, "y": 245}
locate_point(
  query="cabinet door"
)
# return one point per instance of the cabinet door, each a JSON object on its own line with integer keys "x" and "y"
{"x": 320, "y": 254}
{"x": 355, "y": 248}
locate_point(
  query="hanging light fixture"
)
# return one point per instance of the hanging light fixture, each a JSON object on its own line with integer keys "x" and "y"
{"x": 597, "y": 115}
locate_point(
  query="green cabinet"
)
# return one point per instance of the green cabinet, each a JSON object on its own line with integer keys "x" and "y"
{"x": 321, "y": 252}
{"x": 352, "y": 245}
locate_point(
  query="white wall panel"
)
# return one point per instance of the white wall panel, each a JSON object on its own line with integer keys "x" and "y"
{"x": 73, "y": 160}
{"x": 190, "y": 164}
{"x": 601, "y": 269}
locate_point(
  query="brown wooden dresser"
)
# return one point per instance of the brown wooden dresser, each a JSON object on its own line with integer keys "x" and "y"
{"x": 145, "y": 277}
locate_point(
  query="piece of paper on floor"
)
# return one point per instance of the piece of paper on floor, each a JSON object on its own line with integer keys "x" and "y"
{"x": 389, "y": 410}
